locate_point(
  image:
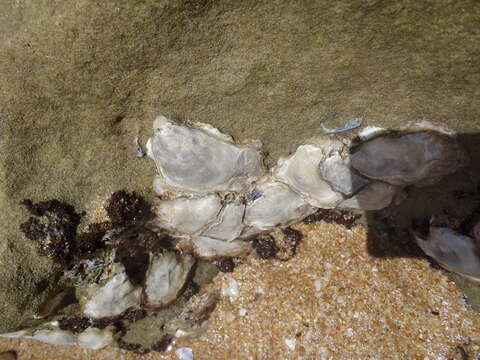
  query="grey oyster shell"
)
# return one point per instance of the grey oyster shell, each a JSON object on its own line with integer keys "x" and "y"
{"x": 187, "y": 215}
{"x": 209, "y": 248}
{"x": 166, "y": 276}
{"x": 275, "y": 205}
{"x": 229, "y": 224}
{"x": 201, "y": 159}
{"x": 419, "y": 158}
{"x": 301, "y": 172}
{"x": 452, "y": 250}
{"x": 113, "y": 298}
{"x": 338, "y": 172}
{"x": 375, "y": 196}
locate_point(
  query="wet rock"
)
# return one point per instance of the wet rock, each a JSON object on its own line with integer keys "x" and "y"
{"x": 452, "y": 250}
{"x": 301, "y": 172}
{"x": 201, "y": 159}
{"x": 276, "y": 205}
{"x": 166, "y": 277}
{"x": 420, "y": 158}
{"x": 187, "y": 215}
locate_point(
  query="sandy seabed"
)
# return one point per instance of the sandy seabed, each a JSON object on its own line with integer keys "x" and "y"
{"x": 333, "y": 300}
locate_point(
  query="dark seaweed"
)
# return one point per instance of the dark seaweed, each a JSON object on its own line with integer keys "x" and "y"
{"x": 265, "y": 247}
{"x": 162, "y": 344}
{"x": 342, "y": 217}
{"x": 74, "y": 324}
{"x": 225, "y": 265}
{"x": 124, "y": 209}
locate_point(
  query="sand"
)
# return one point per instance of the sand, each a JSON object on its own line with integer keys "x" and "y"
{"x": 333, "y": 300}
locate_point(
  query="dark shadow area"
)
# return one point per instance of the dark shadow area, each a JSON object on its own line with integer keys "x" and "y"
{"x": 456, "y": 197}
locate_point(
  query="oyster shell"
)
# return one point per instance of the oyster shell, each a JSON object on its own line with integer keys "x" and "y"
{"x": 208, "y": 248}
{"x": 301, "y": 172}
{"x": 420, "y": 158}
{"x": 166, "y": 277}
{"x": 452, "y": 250}
{"x": 229, "y": 224}
{"x": 95, "y": 339}
{"x": 275, "y": 204}
{"x": 201, "y": 160}
{"x": 337, "y": 171}
{"x": 54, "y": 336}
{"x": 113, "y": 298}
{"x": 375, "y": 196}
{"x": 187, "y": 215}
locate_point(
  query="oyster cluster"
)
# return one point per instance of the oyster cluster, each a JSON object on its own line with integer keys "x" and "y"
{"x": 215, "y": 196}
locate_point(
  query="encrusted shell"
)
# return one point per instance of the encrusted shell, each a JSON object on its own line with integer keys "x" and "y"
{"x": 229, "y": 224}
{"x": 420, "y": 158}
{"x": 209, "y": 248}
{"x": 452, "y": 250}
{"x": 201, "y": 160}
{"x": 375, "y": 196}
{"x": 275, "y": 204}
{"x": 187, "y": 215}
{"x": 301, "y": 172}
{"x": 166, "y": 277}
{"x": 114, "y": 297}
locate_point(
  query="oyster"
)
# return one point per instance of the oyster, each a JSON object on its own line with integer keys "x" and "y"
{"x": 54, "y": 336}
{"x": 95, "y": 339}
{"x": 209, "y": 248}
{"x": 166, "y": 277}
{"x": 114, "y": 297}
{"x": 452, "y": 250}
{"x": 201, "y": 159}
{"x": 420, "y": 158}
{"x": 275, "y": 204}
{"x": 187, "y": 215}
{"x": 301, "y": 172}
{"x": 229, "y": 224}
{"x": 375, "y": 196}
{"x": 337, "y": 171}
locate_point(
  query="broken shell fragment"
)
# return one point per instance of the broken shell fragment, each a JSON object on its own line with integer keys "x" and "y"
{"x": 113, "y": 298}
{"x": 54, "y": 336}
{"x": 229, "y": 224}
{"x": 187, "y": 215}
{"x": 301, "y": 172}
{"x": 201, "y": 160}
{"x": 166, "y": 277}
{"x": 95, "y": 339}
{"x": 420, "y": 158}
{"x": 208, "y": 248}
{"x": 276, "y": 205}
{"x": 375, "y": 196}
{"x": 452, "y": 250}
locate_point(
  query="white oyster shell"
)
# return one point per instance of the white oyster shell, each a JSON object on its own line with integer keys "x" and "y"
{"x": 208, "y": 248}
{"x": 375, "y": 196}
{"x": 95, "y": 339}
{"x": 301, "y": 172}
{"x": 187, "y": 215}
{"x": 420, "y": 158}
{"x": 275, "y": 204}
{"x": 454, "y": 251}
{"x": 229, "y": 224}
{"x": 337, "y": 171}
{"x": 166, "y": 277}
{"x": 201, "y": 160}
{"x": 54, "y": 336}
{"x": 114, "y": 297}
